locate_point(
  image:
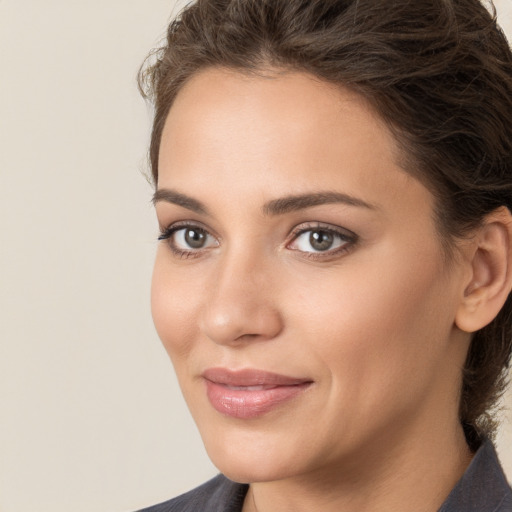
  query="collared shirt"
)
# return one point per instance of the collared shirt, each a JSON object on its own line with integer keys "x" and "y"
{"x": 482, "y": 488}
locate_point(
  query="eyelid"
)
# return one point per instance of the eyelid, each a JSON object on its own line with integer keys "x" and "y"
{"x": 345, "y": 234}
{"x": 322, "y": 226}
{"x": 166, "y": 234}
{"x": 167, "y": 230}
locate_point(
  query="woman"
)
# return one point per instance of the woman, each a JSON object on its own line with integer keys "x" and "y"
{"x": 333, "y": 187}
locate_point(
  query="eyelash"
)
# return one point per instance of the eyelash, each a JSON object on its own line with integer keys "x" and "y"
{"x": 167, "y": 234}
{"x": 348, "y": 238}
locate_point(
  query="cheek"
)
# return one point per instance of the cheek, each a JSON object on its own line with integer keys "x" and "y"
{"x": 174, "y": 307}
{"x": 379, "y": 324}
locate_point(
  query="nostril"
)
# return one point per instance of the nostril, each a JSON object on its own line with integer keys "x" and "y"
{"x": 247, "y": 337}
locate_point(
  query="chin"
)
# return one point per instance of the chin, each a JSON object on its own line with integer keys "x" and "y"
{"x": 253, "y": 460}
{"x": 247, "y": 471}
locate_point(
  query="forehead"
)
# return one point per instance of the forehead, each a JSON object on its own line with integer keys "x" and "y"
{"x": 291, "y": 97}
{"x": 285, "y": 132}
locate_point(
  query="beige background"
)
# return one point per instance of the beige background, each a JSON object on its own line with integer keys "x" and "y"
{"x": 91, "y": 418}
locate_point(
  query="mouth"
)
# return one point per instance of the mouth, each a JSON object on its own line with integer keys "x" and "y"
{"x": 247, "y": 394}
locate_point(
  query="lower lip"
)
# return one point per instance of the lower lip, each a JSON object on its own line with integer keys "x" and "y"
{"x": 250, "y": 403}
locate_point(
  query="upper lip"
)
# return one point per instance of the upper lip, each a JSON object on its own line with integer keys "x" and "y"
{"x": 250, "y": 377}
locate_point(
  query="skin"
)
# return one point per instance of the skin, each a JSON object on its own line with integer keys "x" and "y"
{"x": 373, "y": 325}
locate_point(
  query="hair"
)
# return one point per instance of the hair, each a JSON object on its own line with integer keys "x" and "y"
{"x": 438, "y": 72}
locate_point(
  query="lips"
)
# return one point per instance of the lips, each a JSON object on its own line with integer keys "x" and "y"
{"x": 247, "y": 394}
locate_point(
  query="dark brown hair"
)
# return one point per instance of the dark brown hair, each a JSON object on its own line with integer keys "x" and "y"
{"x": 439, "y": 72}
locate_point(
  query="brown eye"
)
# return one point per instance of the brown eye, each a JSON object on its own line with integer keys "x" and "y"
{"x": 188, "y": 239}
{"x": 321, "y": 240}
{"x": 195, "y": 238}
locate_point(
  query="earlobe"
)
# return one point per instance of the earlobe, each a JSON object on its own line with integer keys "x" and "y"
{"x": 491, "y": 272}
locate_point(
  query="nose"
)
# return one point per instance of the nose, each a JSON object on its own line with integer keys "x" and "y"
{"x": 241, "y": 304}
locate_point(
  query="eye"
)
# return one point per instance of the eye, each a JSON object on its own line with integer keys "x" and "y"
{"x": 190, "y": 238}
{"x": 321, "y": 240}
{"x": 186, "y": 240}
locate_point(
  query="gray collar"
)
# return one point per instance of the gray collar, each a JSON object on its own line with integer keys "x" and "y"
{"x": 483, "y": 487}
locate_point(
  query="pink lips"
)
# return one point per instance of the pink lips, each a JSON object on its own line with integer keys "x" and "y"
{"x": 247, "y": 394}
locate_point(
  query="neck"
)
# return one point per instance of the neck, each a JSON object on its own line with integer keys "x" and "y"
{"x": 417, "y": 474}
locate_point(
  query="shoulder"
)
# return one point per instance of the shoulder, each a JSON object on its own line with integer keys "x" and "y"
{"x": 217, "y": 495}
{"x": 483, "y": 487}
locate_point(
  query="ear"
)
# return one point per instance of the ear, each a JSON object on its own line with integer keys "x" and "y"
{"x": 490, "y": 279}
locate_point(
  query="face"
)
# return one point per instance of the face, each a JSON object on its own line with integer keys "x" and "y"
{"x": 300, "y": 287}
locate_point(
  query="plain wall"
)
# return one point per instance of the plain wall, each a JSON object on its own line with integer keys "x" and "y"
{"x": 91, "y": 418}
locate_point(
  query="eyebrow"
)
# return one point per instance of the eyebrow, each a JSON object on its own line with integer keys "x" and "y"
{"x": 274, "y": 207}
{"x": 300, "y": 202}
{"x": 177, "y": 198}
